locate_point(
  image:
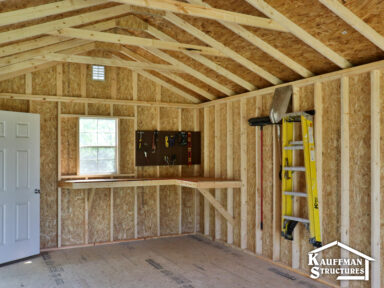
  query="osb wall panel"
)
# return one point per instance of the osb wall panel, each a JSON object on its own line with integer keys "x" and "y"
{"x": 124, "y": 84}
{"x": 212, "y": 152}
{"x": 123, "y": 110}
{"x": 188, "y": 209}
{"x": 360, "y": 165}
{"x": 169, "y": 210}
{"x": 236, "y": 171}
{"x": 48, "y": 171}
{"x": 72, "y": 217}
{"x": 99, "y": 215}
{"x": 223, "y": 163}
{"x": 331, "y": 165}
{"x": 71, "y": 79}
{"x": 127, "y": 144}
{"x": 146, "y": 89}
{"x": 267, "y": 183}
{"x": 146, "y": 211}
{"x": 123, "y": 213}
{"x": 251, "y": 176}
{"x": 44, "y": 82}
{"x": 99, "y": 109}
{"x": 69, "y": 145}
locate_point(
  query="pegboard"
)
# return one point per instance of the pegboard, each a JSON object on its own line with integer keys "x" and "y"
{"x": 148, "y": 154}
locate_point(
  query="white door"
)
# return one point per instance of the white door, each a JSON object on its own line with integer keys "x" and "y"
{"x": 19, "y": 178}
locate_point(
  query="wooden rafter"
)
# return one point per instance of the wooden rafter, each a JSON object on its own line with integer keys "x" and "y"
{"x": 187, "y": 69}
{"x": 49, "y": 40}
{"x": 167, "y": 85}
{"x": 46, "y": 27}
{"x": 135, "y": 41}
{"x": 300, "y": 33}
{"x": 58, "y": 57}
{"x": 262, "y": 45}
{"x": 40, "y": 51}
{"x": 356, "y": 22}
{"x": 20, "y": 68}
{"x": 31, "y": 13}
{"x": 199, "y": 58}
{"x": 171, "y": 76}
{"x": 210, "y": 13}
{"x": 221, "y": 47}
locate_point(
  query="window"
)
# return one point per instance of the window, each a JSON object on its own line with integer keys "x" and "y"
{"x": 98, "y": 72}
{"x": 98, "y": 148}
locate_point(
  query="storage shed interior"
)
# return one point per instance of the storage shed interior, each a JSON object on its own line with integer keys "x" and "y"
{"x": 200, "y": 66}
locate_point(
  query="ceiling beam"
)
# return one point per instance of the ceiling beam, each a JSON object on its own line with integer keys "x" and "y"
{"x": 46, "y": 27}
{"x": 58, "y": 57}
{"x": 300, "y": 33}
{"x": 32, "y": 65}
{"x": 171, "y": 76}
{"x": 135, "y": 41}
{"x": 262, "y": 45}
{"x": 132, "y": 22}
{"x": 36, "y": 12}
{"x": 166, "y": 85}
{"x": 49, "y": 40}
{"x": 205, "y": 12}
{"x": 222, "y": 48}
{"x": 357, "y": 23}
{"x": 13, "y": 59}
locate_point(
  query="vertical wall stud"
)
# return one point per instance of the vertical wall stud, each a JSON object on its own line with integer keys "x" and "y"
{"x": 179, "y": 190}
{"x": 345, "y": 174}
{"x": 134, "y": 93}
{"x": 230, "y": 168}
{"x": 206, "y": 168}
{"x": 158, "y": 127}
{"x": 243, "y": 172}
{"x": 59, "y": 92}
{"x": 296, "y": 201}
{"x": 258, "y": 231}
{"x": 217, "y": 169}
{"x": 276, "y": 233}
{"x": 375, "y": 178}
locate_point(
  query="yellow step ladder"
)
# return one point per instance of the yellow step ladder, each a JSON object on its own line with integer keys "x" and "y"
{"x": 289, "y": 220}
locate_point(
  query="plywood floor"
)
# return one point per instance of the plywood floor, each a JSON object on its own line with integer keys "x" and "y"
{"x": 181, "y": 262}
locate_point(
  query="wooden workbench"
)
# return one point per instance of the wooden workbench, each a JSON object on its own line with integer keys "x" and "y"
{"x": 198, "y": 183}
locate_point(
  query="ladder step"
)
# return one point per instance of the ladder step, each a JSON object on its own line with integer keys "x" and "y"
{"x": 294, "y": 168}
{"x": 302, "y": 220}
{"x": 297, "y": 194}
{"x": 296, "y": 142}
{"x": 294, "y": 147}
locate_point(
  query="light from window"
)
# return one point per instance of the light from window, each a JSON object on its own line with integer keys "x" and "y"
{"x": 98, "y": 140}
{"x": 98, "y": 72}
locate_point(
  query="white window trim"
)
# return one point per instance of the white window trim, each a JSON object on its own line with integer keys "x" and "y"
{"x": 116, "y": 173}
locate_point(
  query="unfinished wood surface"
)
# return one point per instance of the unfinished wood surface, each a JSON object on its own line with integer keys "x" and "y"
{"x": 243, "y": 174}
{"x": 217, "y": 143}
{"x": 206, "y": 168}
{"x": 258, "y": 230}
{"x": 123, "y": 217}
{"x": 345, "y": 167}
{"x": 251, "y": 179}
{"x": 375, "y": 177}
{"x": 360, "y": 164}
{"x": 229, "y": 150}
{"x": 236, "y": 173}
{"x": 160, "y": 265}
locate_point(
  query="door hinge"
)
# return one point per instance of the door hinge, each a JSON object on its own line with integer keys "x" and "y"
{"x": 37, "y": 191}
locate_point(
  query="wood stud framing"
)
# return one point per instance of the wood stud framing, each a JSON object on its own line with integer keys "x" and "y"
{"x": 375, "y": 178}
